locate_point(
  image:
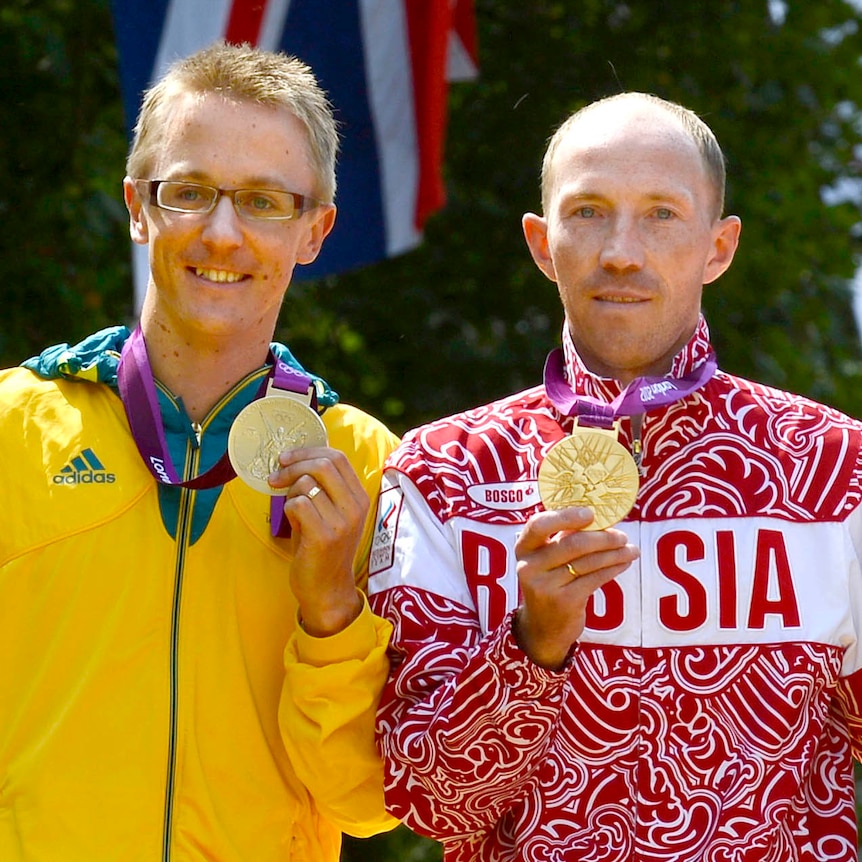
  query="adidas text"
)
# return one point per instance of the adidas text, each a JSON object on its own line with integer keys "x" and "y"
{"x": 85, "y": 478}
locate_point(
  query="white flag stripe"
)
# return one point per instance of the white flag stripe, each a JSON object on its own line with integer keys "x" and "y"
{"x": 389, "y": 80}
{"x": 272, "y": 26}
{"x": 187, "y": 28}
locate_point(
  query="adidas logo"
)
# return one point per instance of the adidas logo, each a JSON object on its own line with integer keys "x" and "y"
{"x": 84, "y": 469}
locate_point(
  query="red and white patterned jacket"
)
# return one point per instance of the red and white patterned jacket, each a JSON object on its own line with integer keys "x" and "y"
{"x": 713, "y": 705}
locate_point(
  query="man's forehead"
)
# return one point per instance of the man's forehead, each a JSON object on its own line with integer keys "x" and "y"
{"x": 210, "y": 137}
{"x": 623, "y": 138}
{"x": 186, "y": 113}
{"x": 628, "y": 148}
{"x": 633, "y": 120}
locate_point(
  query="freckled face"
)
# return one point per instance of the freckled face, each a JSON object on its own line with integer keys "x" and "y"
{"x": 219, "y": 273}
{"x": 629, "y": 238}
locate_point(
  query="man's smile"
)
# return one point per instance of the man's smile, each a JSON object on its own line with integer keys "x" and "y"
{"x": 221, "y": 276}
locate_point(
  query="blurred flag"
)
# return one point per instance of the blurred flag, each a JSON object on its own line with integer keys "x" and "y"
{"x": 385, "y": 64}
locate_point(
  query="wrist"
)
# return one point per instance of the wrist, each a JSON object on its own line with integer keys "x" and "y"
{"x": 329, "y": 619}
{"x": 548, "y": 654}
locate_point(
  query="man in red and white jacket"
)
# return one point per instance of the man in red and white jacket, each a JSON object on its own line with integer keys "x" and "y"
{"x": 683, "y": 686}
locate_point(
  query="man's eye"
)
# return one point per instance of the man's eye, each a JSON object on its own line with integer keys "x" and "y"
{"x": 663, "y": 213}
{"x": 262, "y": 204}
{"x": 586, "y": 212}
{"x": 259, "y": 202}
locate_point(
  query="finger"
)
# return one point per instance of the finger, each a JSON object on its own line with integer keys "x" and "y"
{"x": 308, "y": 506}
{"x": 561, "y": 547}
{"x": 330, "y": 468}
{"x": 541, "y": 527}
{"x": 318, "y": 525}
{"x": 325, "y": 501}
{"x": 325, "y": 496}
{"x": 592, "y": 550}
{"x": 305, "y": 486}
{"x": 613, "y": 559}
{"x": 570, "y": 568}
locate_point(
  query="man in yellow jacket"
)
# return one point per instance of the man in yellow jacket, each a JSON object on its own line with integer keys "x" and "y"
{"x": 189, "y": 667}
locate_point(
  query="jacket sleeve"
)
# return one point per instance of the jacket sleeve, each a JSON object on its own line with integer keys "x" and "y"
{"x": 847, "y": 703}
{"x": 465, "y": 719}
{"x": 332, "y": 685}
{"x": 326, "y": 716}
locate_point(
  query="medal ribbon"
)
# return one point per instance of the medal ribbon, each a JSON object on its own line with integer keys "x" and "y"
{"x": 641, "y": 395}
{"x": 140, "y": 400}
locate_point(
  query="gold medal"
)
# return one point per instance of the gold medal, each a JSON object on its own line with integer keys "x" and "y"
{"x": 266, "y": 427}
{"x": 591, "y": 469}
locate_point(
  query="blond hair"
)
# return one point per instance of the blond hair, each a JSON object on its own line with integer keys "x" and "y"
{"x": 244, "y": 74}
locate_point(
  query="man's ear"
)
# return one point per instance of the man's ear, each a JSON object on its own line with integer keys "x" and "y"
{"x": 536, "y": 233}
{"x": 323, "y": 221}
{"x": 725, "y": 240}
{"x": 138, "y": 228}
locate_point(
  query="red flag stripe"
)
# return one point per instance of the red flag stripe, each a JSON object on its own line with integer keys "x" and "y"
{"x": 464, "y": 24}
{"x": 244, "y": 22}
{"x": 428, "y": 24}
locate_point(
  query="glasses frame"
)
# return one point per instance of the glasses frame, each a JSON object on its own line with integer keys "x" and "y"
{"x": 302, "y": 203}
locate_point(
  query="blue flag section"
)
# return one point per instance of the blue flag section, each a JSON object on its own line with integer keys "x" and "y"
{"x": 386, "y": 65}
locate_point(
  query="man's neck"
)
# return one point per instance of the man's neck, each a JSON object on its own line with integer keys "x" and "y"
{"x": 201, "y": 371}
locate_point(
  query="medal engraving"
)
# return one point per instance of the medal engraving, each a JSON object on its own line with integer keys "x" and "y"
{"x": 591, "y": 469}
{"x": 266, "y": 427}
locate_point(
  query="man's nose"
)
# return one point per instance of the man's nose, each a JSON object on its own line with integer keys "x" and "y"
{"x": 623, "y": 249}
{"x": 223, "y": 225}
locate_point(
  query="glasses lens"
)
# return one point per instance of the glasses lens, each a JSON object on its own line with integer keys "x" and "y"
{"x": 264, "y": 203}
{"x": 185, "y": 197}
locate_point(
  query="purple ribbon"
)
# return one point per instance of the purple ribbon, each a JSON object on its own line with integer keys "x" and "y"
{"x": 141, "y": 403}
{"x": 641, "y": 395}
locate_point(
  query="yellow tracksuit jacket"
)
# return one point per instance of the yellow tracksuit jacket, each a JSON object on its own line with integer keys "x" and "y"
{"x": 157, "y": 699}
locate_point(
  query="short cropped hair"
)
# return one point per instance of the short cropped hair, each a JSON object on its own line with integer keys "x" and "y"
{"x": 241, "y": 73}
{"x": 700, "y": 133}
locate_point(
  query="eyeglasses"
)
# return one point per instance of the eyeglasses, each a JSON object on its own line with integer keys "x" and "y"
{"x": 267, "y": 204}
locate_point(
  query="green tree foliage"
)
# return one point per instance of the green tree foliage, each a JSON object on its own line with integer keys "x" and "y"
{"x": 64, "y": 247}
{"x": 467, "y": 317}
